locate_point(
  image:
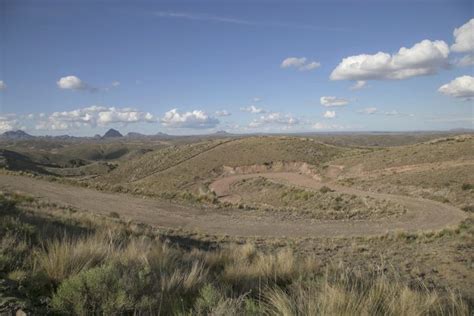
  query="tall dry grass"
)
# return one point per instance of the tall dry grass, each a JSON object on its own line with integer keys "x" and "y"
{"x": 346, "y": 292}
{"x": 117, "y": 271}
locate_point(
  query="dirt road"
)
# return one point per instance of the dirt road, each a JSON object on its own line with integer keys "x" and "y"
{"x": 421, "y": 215}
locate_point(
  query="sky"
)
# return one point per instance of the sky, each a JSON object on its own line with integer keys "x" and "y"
{"x": 197, "y": 67}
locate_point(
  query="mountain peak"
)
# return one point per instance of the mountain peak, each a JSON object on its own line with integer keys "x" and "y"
{"x": 18, "y": 134}
{"x": 112, "y": 133}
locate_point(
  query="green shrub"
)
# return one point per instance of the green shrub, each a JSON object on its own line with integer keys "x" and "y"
{"x": 92, "y": 292}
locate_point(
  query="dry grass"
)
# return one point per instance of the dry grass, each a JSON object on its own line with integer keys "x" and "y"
{"x": 186, "y": 167}
{"x": 264, "y": 194}
{"x": 116, "y": 270}
{"x": 345, "y": 292}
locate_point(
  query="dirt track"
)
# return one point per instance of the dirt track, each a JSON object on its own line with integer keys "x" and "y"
{"x": 421, "y": 215}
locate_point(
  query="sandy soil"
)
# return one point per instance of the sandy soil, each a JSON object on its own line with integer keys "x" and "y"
{"x": 421, "y": 215}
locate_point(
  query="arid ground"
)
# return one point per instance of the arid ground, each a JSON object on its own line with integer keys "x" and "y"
{"x": 407, "y": 204}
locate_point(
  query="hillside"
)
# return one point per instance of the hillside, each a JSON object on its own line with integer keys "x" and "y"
{"x": 440, "y": 169}
{"x": 187, "y": 166}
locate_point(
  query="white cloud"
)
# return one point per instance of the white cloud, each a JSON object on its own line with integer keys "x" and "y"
{"x": 70, "y": 82}
{"x": 253, "y": 109}
{"x": 424, "y": 58}
{"x": 359, "y": 84}
{"x": 275, "y": 118}
{"x": 3, "y": 86}
{"x": 8, "y": 123}
{"x": 223, "y": 113}
{"x": 115, "y": 83}
{"x": 74, "y": 83}
{"x": 300, "y": 63}
{"x": 464, "y": 38}
{"x": 461, "y": 87}
{"x": 324, "y": 126}
{"x": 466, "y": 61}
{"x": 396, "y": 113}
{"x": 392, "y": 113}
{"x": 330, "y": 101}
{"x": 370, "y": 110}
{"x": 125, "y": 116}
{"x": 196, "y": 119}
{"x": 329, "y": 114}
{"x": 91, "y": 117}
{"x": 257, "y": 99}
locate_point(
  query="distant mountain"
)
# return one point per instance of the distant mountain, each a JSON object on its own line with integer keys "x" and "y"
{"x": 462, "y": 130}
{"x": 18, "y": 134}
{"x": 221, "y": 133}
{"x": 111, "y": 133}
{"x": 136, "y": 135}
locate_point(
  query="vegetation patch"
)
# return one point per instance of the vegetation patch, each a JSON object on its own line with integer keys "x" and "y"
{"x": 262, "y": 193}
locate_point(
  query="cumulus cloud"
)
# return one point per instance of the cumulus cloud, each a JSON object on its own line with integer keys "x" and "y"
{"x": 370, "y": 110}
{"x": 329, "y": 114}
{"x": 324, "y": 126}
{"x": 74, "y": 83}
{"x": 461, "y": 87}
{"x": 222, "y": 113}
{"x": 8, "y": 123}
{"x": 275, "y": 118}
{"x": 300, "y": 63}
{"x": 257, "y": 99}
{"x": 466, "y": 61}
{"x": 3, "y": 86}
{"x": 196, "y": 119}
{"x": 115, "y": 83}
{"x": 464, "y": 38}
{"x": 359, "y": 84}
{"x": 253, "y": 109}
{"x": 330, "y": 101}
{"x": 92, "y": 116}
{"x": 424, "y": 58}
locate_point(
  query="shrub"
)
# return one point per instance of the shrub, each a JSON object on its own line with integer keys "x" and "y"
{"x": 212, "y": 301}
{"x": 325, "y": 189}
{"x": 467, "y": 186}
{"x": 92, "y": 292}
{"x": 114, "y": 215}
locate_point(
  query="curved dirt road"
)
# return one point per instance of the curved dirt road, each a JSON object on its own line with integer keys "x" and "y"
{"x": 421, "y": 214}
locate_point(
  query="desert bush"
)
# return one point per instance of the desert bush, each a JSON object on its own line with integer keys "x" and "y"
{"x": 212, "y": 301}
{"x": 325, "y": 189}
{"x": 95, "y": 291}
{"x": 143, "y": 276}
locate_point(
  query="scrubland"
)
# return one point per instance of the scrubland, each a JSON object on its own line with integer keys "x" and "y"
{"x": 57, "y": 259}
{"x": 67, "y": 262}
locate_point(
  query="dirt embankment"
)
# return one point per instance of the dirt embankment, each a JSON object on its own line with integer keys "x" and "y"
{"x": 278, "y": 166}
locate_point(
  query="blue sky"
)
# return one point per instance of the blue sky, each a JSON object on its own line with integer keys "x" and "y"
{"x": 81, "y": 67}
